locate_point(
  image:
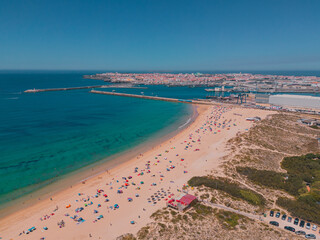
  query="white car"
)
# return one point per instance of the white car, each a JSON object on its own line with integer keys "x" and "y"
{"x": 308, "y": 225}
{"x": 314, "y": 227}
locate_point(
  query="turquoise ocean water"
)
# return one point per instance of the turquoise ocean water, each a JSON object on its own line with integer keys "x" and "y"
{"x": 44, "y": 136}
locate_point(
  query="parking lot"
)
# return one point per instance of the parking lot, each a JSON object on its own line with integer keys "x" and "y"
{"x": 283, "y": 223}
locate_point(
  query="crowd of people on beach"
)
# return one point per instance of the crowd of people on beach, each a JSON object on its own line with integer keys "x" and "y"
{"x": 148, "y": 178}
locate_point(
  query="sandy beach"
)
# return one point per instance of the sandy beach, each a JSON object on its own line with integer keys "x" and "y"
{"x": 122, "y": 199}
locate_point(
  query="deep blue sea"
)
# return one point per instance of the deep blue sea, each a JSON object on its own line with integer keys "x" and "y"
{"x": 44, "y": 136}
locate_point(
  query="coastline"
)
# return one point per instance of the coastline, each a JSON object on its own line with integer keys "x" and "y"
{"x": 61, "y": 183}
{"x": 211, "y": 141}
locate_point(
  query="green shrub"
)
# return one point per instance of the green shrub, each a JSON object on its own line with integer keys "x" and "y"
{"x": 251, "y": 197}
{"x": 232, "y": 189}
{"x": 143, "y": 232}
{"x": 306, "y": 167}
{"x": 308, "y": 211}
{"x": 300, "y": 170}
{"x": 202, "y": 209}
{"x": 272, "y": 179}
{"x": 213, "y": 200}
{"x": 229, "y": 219}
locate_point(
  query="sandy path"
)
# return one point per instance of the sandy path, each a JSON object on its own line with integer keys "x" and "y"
{"x": 167, "y": 173}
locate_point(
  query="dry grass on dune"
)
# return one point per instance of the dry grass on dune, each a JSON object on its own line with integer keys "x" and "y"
{"x": 205, "y": 223}
{"x": 265, "y": 145}
{"x": 262, "y": 147}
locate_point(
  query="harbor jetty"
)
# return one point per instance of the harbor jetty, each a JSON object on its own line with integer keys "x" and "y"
{"x": 83, "y": 87}
{"x": 153, "y": 97}
{"x": 60, "y": 89}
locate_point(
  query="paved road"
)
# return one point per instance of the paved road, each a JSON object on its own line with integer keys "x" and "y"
{"x": 249, "y": 215}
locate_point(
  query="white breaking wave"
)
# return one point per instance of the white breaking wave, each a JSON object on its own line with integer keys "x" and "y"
{"x": 185, "y": 123}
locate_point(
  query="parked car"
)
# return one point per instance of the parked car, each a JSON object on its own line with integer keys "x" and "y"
{"x": 310, "y": 236}
{"x": 302, "y": 223}
{"x": 308, "y": 226}
{"x": 300, "y": 232}
{"x": 290, "y": 228}
{"x": 284, "y": 216}
{"x": 289, "y": 219}
{"x": 274, "y": 223}
{"x": 277, "y": 215}
{"x": 314, "y": 227}
{"x": 271, "y": 213}
{"x": 296, "y": 221}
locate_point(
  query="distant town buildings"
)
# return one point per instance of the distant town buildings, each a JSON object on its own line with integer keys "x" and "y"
{"x": 250, "y": 90}
{"x": 240, "y": 82}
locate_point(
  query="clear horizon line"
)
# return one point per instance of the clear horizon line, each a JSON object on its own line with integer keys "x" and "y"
{"x": 118, "y": 70}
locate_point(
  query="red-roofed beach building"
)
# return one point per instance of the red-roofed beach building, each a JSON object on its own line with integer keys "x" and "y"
{"x": 182, "y": 202}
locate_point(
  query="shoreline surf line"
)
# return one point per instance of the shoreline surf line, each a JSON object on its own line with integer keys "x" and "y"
{"x": 185, "y": 123}
{"x": 212, "y": 147}
{"x": 68, "y": 180}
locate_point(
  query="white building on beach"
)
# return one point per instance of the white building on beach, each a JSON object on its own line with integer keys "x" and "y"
{"x": 295, "y": 101}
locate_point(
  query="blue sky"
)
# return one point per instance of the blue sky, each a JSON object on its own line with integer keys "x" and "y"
{"x": 160, "y": 35}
